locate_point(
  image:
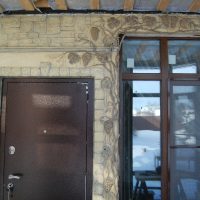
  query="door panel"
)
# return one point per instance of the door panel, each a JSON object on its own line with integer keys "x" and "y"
{"x": 46, "y": 122}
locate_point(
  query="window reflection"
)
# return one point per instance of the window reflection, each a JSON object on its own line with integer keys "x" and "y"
{"x": 185, "y": 114}
{"x": 146, "y": 164}
{"x": 141, "y": 56}
{"x": 185, "y": 139}
{"x": 184, "y": 56}
{"x": 185, "y": 170}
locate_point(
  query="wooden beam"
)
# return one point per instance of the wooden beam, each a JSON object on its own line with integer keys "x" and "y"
{"x": 194, "y": 6}
{"x": 94, "y": 4}
{"x": 27, "y": 5}
{"x": 128, "y": 5}
{"x": 61, "y": 4}
{"x": 42, "y": 4}
{"x": 162, "y": 5}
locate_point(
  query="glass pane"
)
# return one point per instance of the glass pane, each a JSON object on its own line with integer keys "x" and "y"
{"x": 184, "y": 56}
{"x": 185, "y": 174}
{"x": 146, "y": 140}
{"x": 141, "y": 56}
{"x": 146, "y": 87}
{"x": 185, "y": 115}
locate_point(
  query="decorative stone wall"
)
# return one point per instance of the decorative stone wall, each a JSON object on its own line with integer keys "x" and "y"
{"x": 85, "y": 46}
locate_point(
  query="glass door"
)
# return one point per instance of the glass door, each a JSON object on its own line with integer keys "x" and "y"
{"x": 185, "y": 140}
{"x": 143, "y": 141}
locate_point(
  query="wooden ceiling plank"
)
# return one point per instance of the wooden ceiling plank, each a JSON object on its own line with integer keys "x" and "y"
{"x": 194, "y": 6}
{"x": 42, "y": 4}
{"x": 162, "y": 5}
{"x": 61, "y": 4}
{"x": 128, "y": 5}
{"x": 94, "y": 4}
{"x": 27, "y": 5}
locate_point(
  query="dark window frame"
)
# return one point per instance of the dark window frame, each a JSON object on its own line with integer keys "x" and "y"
{"x": 165, "y": 77}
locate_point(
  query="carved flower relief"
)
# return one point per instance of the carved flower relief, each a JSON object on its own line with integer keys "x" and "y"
{"x": 169, "y": 21}
{"x": 106, "y": 153}
{"x": 165, "y": 21}
{"x": 187, "y": 23}
{"x": 174, "y": 21}
{"x": 113, "y": 22}
{"x": 131, "y": 20}
{"x": 109, "y": 182}
{"x": 86, "y": 58}
{"x": 149, "y": 21}
{"x": 109, "y": 41}
{"x": 106, "y": 83}
{"x": 102, "y": 57}
{"x": 108, "y": 125}
{"x": 73, "y": 58}
{"x": 94, "y": 31}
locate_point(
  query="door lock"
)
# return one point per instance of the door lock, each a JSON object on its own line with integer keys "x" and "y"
{"x": 10, "y": 188}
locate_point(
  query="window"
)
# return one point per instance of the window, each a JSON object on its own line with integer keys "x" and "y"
{"x": 161, "y": 119}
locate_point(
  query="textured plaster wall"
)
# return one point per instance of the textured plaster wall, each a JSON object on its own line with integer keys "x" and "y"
{"x": 85, "y": 46}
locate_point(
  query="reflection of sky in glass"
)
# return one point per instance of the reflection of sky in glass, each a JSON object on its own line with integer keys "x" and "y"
{"x": 184, "y": 89}
{"x": 146, "y": 104}
{"x": 186, "y": 54}
{"x": 145, "y": 53}
{"x": 146, "y": 87}
{"x": 189, "y": 69}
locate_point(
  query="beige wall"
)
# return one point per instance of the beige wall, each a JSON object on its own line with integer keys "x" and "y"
{"x": 85, "y": 46}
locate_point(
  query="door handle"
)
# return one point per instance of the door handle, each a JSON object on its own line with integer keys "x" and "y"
{"x": 14, "y": 176}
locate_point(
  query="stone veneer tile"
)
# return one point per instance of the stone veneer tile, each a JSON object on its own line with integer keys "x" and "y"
{"x": 54, "y": 71}
{"x": 98, "y": 147}
{"x": 99, "y": 137}
{"x": 98, "y": 127}
{"x": 74, "y": 72}
{"x": 64, "y": 71}
{"x": 99, "y": 94}
{"x": 6, "y": 71}
{"x": 98, "y": 197}
{"x": 26, "y": 71}
{"x": 97, "y": 158}
{"x": 35, "y": 71}
{"x": 99, "y": 104}
{"x": 26, "y": 27}
{"x": 16, "y": 71}
{"x": 97, "y": 84}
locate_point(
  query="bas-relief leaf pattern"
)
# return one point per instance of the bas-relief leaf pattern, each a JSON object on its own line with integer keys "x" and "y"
{"x": 109, "y": 27}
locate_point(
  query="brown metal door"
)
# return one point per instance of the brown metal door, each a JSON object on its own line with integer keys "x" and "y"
{"x": 46, "y": 139}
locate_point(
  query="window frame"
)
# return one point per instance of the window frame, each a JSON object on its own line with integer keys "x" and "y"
{"x": 165, "y": 77}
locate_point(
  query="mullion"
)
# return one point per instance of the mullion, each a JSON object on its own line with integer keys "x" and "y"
{"x": 145, "y": 95}
{"x": 185, "y": 146}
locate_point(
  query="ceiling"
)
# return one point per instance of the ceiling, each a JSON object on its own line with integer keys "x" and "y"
{"x": 167, "y": 6}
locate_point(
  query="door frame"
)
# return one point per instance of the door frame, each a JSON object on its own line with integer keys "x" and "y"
{"x": 89, "y": 123}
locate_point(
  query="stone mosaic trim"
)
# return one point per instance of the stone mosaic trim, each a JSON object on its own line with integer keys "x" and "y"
{"x": 75, "y": 31}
